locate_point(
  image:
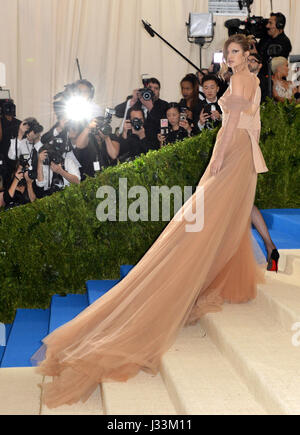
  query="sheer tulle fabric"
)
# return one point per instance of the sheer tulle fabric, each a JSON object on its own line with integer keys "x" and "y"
{"x": 183, "y": 276}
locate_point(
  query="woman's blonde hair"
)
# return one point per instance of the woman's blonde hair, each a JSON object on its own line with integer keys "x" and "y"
{"x": 247, "y": 43}
{"x": 276, "y": 62}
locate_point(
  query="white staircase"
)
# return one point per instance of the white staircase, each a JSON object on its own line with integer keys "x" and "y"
{"x": 242, "y": 360}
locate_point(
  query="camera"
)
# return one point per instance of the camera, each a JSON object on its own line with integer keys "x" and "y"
{"x": 8, "y": 108}
{"x": 183, "y": 114}
{"x": 24, "y": 161}
{"x": 208, "y": 108}
{"x": 104, "y": 123}
{"x": 56, "y": 149}
{"x": 146, "y": 94}
{"x": 137, "y": 124}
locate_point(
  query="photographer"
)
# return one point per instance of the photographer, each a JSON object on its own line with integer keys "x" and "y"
{"x": 276, "y": 36}
{"x": 178, "y": 129}
{"x": 57, "y": 167}
{"x": 133, "y": 141}
{"x": 27, "y": 143}
{"x": 153, "y": 107}
{"x": 9, "y": 127}
{"x": 20, "y": 191}
{"x": 210, "y": 111}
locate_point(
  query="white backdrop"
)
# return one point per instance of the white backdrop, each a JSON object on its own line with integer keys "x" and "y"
{"x": 40, "y": 40}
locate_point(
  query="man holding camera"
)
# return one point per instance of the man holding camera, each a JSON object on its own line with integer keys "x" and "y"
{"x": 57, "y": 167}
{"x": 133, "y": 141}
{"x": 25, "y": 147}
{"x": 210, "y": 111}
{"x": 148, "y": 100}
{"x": 276, "y": 38}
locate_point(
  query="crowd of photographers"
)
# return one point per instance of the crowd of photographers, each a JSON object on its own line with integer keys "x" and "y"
{"x": 81, "y": 143}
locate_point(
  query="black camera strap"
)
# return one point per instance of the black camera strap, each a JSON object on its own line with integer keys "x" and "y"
{"x": 16, "y": 147}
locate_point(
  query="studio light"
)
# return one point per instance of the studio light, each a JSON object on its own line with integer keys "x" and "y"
{"x": 201, "y": 26}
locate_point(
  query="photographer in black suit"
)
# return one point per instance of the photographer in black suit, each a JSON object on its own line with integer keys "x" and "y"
{"x": 154, "y": 109}
{"x": 210, "y": 111}
{"x": 9, "y": 127}
{"x": 276, "y": 36}
{"x": 134, "y": 140}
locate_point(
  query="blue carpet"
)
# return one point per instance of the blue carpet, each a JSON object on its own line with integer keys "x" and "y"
{"x": 283, "y": 226}
{"x": 64, "y": 309}
{"x": 28, "y": 329}
{"x": 125, "y": 269}
{"x": 286, "y": 222}
{"x": 97, "y": 288}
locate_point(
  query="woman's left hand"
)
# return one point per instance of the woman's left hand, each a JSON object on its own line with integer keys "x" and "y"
{"x": 216, "y": 164}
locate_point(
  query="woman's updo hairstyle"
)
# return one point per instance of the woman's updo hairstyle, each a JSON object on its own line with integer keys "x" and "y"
{"x": 276, "y": 62}
{"x": 246, "y": 42}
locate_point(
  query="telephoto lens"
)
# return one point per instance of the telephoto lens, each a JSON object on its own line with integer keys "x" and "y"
{"x": 146, "y": 94}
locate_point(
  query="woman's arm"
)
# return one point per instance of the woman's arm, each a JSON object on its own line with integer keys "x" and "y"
{"x": 236, "y": 103}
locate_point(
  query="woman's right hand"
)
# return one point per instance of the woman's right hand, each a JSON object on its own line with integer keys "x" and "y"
{"x": 19, "y": 174}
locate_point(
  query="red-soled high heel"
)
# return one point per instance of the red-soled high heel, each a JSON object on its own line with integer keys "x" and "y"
{"x": 273, "y": 261}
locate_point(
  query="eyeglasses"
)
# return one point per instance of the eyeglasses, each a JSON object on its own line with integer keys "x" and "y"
{"x": 252, "y": 61}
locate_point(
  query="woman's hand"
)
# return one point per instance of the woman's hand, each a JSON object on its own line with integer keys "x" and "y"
{"x": 216, "y": 164}
{"x": 19, "y": 174}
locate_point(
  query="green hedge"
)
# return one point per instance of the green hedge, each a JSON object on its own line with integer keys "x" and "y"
{"x": 56, "y": 244}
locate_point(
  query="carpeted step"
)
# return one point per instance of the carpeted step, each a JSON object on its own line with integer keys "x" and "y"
{"x": 65, "y": 308}
{"x": 261, "y": 351}
{"x": 280, "y": 301}
{"x": 28, "y": 329}
{"x": 97, "y": 288}
{"x": 201, "y": 381}
{"x": 20, "y": 393}
{"x": 144, "y": 394}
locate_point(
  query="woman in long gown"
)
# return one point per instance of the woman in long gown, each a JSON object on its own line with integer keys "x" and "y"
{"x": 184, "y": 275}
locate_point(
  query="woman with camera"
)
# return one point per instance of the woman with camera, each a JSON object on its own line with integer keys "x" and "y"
{"x": 178, "y": 129}
{"x": 20, "y": 191}
{"x": 191, "y": 101}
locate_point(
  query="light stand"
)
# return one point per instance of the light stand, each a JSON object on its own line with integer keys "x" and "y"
{"x": 152, "y": 33}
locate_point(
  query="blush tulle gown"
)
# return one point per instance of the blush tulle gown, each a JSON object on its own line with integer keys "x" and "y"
{"x": 183, "y": 276}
